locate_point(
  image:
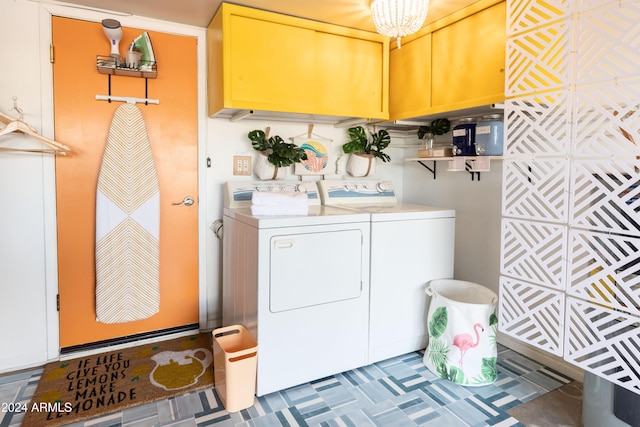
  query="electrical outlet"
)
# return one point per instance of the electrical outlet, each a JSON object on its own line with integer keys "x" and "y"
{"x": 242, "y": 165}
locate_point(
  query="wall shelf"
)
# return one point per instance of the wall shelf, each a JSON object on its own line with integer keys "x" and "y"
{"x": 474, "y": 165}
{"x": 108, "y": 65}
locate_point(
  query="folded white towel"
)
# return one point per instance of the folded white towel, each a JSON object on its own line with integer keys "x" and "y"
{"x": 272, "y": 203}
{"x": 279, "y": 210}
{"x": 278, "y": 199}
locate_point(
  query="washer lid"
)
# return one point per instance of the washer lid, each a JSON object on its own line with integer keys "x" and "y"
{"x": 403, "y": 211}
{"x": 317, "y": 215}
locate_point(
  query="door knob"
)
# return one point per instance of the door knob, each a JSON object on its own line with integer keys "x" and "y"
{"x": 188, "y": 201}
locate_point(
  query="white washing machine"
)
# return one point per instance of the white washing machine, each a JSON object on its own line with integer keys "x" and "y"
{"x": 300, "y": 284}
{"x": 410, "y": 246}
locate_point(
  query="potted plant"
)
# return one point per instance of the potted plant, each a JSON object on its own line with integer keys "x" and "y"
{"x": 437, "y": 127}
{"x": 275, "y": 154}
{"x": 365, "y": 149}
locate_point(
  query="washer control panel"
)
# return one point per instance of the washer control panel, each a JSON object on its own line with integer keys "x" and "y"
{"x": 237, "y": 194}
{"x": 357, "y": 192}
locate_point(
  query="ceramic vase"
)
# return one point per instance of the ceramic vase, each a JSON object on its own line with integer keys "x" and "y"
{"x": 265, "y": 170}
{"x": 360, "y": 165}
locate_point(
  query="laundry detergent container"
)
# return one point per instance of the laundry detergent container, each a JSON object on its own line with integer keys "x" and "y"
{"x": 235, "y": 367}
{"x": 463, "y": 325}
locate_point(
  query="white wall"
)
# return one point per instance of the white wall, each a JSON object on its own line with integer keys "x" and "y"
{"x": 478, "y": 207}
{"x": 27, "y": 208}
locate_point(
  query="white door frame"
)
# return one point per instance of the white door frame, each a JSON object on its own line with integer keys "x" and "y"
{"x": 46, "y": 12}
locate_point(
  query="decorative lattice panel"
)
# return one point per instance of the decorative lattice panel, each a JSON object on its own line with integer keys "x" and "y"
{"x": 538, "y": 124}
{"x": 603, "y": 341}
{"x": 524, "y": 15}
{"x": 606, "y": 196}
{"x": 605, "y": 269}
{"x": 608, "y": 119}
{"x": 539, "y": 60}
{"x": 536, "y": 189}
{"x": 532, "y": 314}
{"x": 534, "y": 251}
{"x": 586, "y": 5}
{"x": 608, "y": 40}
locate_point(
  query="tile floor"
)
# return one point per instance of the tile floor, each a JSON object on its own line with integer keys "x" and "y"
{"x": 397, "y": 392}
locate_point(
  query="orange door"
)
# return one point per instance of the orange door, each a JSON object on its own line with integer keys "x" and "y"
{"x": 83, "y": 123}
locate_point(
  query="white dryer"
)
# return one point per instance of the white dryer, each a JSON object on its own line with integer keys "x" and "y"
{"x": 300, "y": 284}
{"x": 410, "y": 246}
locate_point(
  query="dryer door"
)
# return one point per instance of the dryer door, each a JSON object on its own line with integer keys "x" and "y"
{"x": 314, "y": 268}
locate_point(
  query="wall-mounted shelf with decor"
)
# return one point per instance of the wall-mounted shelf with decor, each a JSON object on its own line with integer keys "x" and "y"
{"x": 109, "y": 65}
{"x": 473, "y": 165}
{"x": 146, "y": 69}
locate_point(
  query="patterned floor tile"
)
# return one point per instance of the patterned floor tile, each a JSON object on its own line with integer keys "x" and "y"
{"x": 399, "y": 391}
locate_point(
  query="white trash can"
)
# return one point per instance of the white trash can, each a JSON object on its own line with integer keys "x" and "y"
{"x": 463, "y": 325}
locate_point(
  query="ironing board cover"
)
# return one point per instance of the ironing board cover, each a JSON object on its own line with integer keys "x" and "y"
{"x": 127, "y": 223}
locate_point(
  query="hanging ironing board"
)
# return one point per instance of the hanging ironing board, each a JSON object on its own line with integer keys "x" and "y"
{"x": 127, "y": 223}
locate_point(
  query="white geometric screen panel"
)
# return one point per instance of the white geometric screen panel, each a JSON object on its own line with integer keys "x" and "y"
{"x": 539, "y": 60}
{"x": 536, "y": 189}
{"x": 609, "y": 43}
{"x": 585, "y": 5}
{"x": 605, "y": 269}
{"x": 603, "y": 341}
{"x": 523, "y": 15}
{"x": 606, "y": 196}
{"x": 534, "y": 251}
{"x": 571, "y": 183}
{"x": 532, "y": 314}
{"x": 608, "y": 119}
{"x": 538, "y": 124}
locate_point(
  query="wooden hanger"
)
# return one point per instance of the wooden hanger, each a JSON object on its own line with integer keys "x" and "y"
{"x": 309, "y": 135}
{"x": 16, "y": 125}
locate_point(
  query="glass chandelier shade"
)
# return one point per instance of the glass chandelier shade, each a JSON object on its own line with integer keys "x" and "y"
{"x": 398, "y": 18}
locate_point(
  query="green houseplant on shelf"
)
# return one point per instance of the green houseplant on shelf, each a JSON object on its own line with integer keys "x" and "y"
{"x": 364, "y": 150}
{"x": 275, "y": 154}
{"x": 437, "y": 127}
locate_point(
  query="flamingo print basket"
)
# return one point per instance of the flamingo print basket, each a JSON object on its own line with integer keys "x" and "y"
{"x": 462, "y": 325}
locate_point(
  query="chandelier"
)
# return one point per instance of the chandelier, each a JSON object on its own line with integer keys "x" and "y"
{"x": 398, "y": 18}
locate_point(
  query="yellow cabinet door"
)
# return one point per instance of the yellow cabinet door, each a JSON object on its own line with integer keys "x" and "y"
{"x": 468, "y": 59}
{"x": 410, "y": 78}
{"x": 272, "y": 66}
{"x": 266, "y": 61}
{"x": 350, "y": 79}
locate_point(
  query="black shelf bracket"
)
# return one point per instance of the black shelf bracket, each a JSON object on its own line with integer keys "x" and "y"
{"x": 431, "y": 169}
{"x": 467, "y": 167}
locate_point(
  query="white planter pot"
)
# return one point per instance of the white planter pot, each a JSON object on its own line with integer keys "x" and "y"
{"x": 361, "y": 165}
{"x": 266, "y": 171}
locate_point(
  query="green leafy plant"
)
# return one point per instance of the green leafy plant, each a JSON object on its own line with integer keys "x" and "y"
{"x": 437, "y": 127}
{"x": 279, "y": 153}
{"x": 359, "y": 142}
{"x": 438, "y": 322}
{"x": 493, "y": 323}
{"x": 453, "y": 374}
{"x": 438, "y": 352}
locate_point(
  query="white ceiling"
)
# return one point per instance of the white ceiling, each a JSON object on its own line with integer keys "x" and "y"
{"x": 347, "y": 13}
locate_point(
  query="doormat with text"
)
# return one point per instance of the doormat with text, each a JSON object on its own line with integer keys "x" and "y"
{"x": 90, "y": 386}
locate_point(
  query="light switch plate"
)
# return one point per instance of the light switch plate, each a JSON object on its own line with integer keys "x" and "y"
{"x": 242, "y": 165}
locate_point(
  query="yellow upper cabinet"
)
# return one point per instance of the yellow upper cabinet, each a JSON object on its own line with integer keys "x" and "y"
{"x": 468, "y": 60}
{"x": 351, "y": 76}
{"x": 455, "y": 63}
{"x": 266, "y": 61}
{"x": 269, "y": 70}
{"x": 410, "y": 77}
